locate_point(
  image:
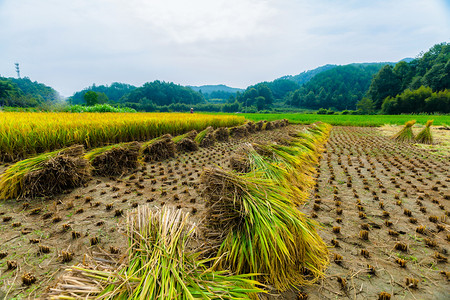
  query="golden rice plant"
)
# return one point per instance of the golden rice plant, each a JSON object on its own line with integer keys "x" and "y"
{"x": 260, "y": 231}
{"x": 406, "y": 134}
{"x": 160, "y": 266}
{"x": 24, "y": 134}
{"x": 424, "y": 136}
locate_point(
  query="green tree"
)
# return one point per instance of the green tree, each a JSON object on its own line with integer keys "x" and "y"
{"x": 6, "y": 88}
{"x": 384, "y": 84}
{"x": 365, "y": 106}
{"x": 91, "y": 98}
{"x": 102, "y": 98}
{"x": 260, "y": 103}
{"x": 438, "y": 77}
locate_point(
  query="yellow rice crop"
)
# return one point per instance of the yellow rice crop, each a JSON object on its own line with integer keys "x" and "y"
{"x": 22, "y": 134}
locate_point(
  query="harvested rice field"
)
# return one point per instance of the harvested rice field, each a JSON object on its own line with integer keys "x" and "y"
{"x": 384, "y": 207}
{"x": 381, "y": 209}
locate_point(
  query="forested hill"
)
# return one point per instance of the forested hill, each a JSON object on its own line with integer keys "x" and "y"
{"x": 306, "y": 76}
{"x": 339, "y": 88}
{"x": 106, "y": 93}
{"x": 431, "y": 69}
{"x": 421, "y": 85}
{"x": 216, "y": 92}
{"x": 214, "y": 88}
{"x": 22, "y": 92}
{"x": 160, "y": 93}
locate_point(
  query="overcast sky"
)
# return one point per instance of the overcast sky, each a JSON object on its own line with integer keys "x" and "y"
{"x": 70, "y": 45}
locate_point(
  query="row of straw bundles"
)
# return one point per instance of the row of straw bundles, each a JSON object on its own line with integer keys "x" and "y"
{"x": 55, "y": 172}
{"x": 36, "y": 176}
{"x": 255, "y": 220}
{"x": 407, "y": 135}
{"x": 159, "y": 266}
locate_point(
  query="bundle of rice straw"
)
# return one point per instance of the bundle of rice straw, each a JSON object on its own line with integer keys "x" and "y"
{"x": 115, "y": 160}
{"x": 406, "y": 134}
{"x": 46, "y": 174}
{"x": 158, "y": 149}
{"x": 259, "y": 125}
{"x": 206, "y": 137}
{"x": 258, "y": 230}
{"x": 185, "y": 142}
{"x": 159, "y": 266}
{"x": 222, "y": 134}
{"x": 239, "y": 131}
{"x": 425, "y": 136}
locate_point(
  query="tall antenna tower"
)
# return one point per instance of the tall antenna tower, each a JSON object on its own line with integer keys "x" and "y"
{"x": 17, "y": 70}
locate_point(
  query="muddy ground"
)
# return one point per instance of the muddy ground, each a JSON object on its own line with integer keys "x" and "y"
{"x": 360, "y": 169}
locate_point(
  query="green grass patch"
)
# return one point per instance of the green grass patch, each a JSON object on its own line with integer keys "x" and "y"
{"x": 351, "y": 120}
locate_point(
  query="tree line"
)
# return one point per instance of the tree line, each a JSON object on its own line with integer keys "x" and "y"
{"x": 22, "y": 92}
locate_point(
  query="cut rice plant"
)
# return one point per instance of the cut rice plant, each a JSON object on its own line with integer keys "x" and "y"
{"x": 222, "y": 134}
{"x": 190, "y": 135}
{"x": 260, "y": 231}
{"x": 284, "y": 174}
{"x": 158, "y": 149}
{"x": 290, "y": 166}
{"x": 239, "y": 131}
{"x": 117, "y": 159}
{"x": 206, "y": 137}
{"x": 159, "y": 266}
{"x": 425, "y": 136}
{"x": 185, "y": 142}
{"x": 46, "y": 174}
{"x": 406, "y": 134}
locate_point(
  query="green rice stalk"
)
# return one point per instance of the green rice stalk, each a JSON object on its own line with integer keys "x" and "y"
{"x": 424, "y": 136}
{"x": 202, "y": 134}
{"x": 191, "y": 134}
{"x": 205, "y": 138}
{"x": 261, "y": 231}
{"x": 406, "y": 134}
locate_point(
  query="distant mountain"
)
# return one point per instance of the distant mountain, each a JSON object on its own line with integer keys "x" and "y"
{"x": 215, "y": 88}
{"x": 218, "y": 93}
{"x": 306, "y": 76}
{"x": 340, "y": 87}
{"x": 408, "y": 59}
